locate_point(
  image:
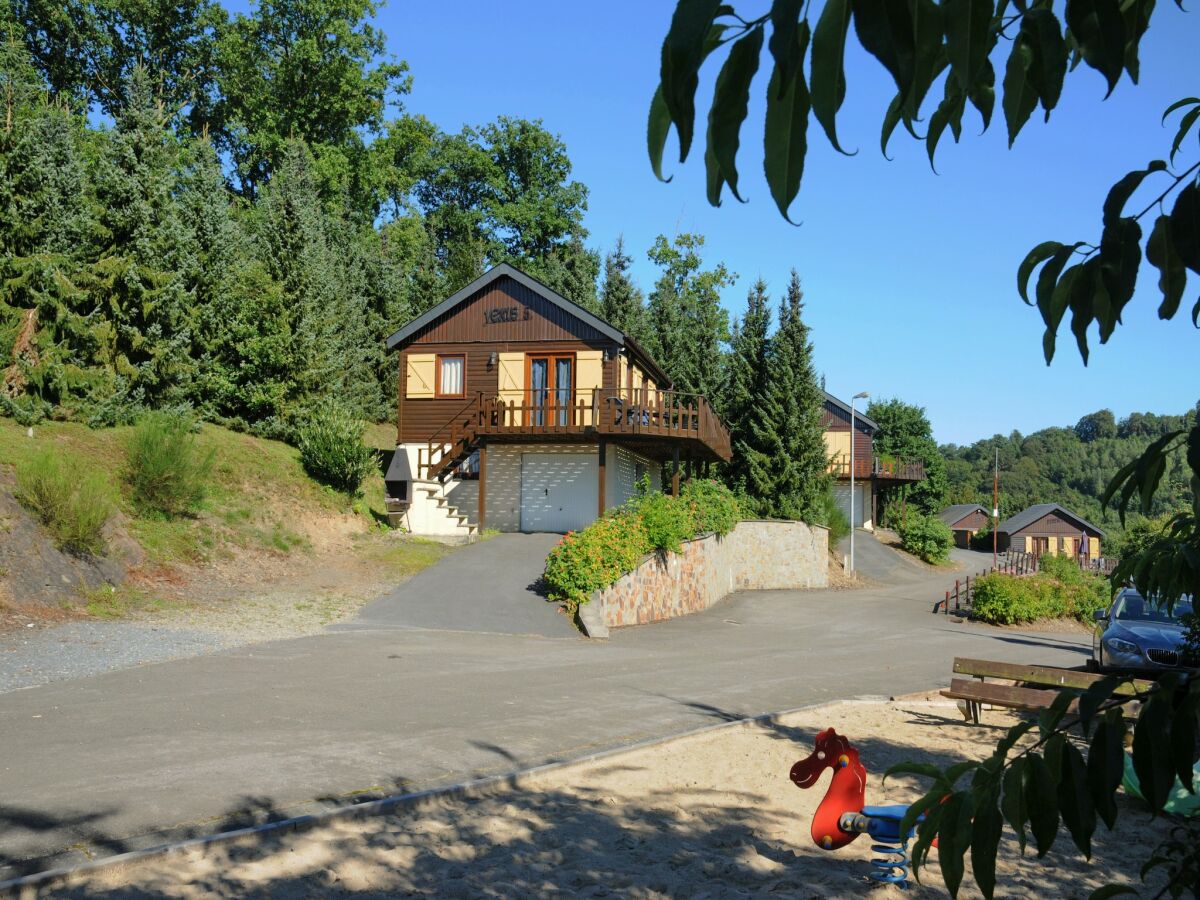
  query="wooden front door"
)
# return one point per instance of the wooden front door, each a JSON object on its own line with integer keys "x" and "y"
{"x": 550, "y": 378}
{"x": 1041, "y": 546}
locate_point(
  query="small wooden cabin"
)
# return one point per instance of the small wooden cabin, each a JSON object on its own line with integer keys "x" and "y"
{"x": 521, "y": 411}
{"x": 1049, "y": 529}
{"x": 965, "y": 520}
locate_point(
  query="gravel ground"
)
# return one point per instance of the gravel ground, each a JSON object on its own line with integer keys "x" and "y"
{"x": 40, "y": 655}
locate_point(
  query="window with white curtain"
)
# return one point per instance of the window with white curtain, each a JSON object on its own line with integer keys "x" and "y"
{"x": 450, "y": 375}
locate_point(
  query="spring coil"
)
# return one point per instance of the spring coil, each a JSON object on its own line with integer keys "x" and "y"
{"x": 892, "y": 868}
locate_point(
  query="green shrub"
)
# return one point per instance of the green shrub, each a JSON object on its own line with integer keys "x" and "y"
{"x": 668, "y": 521}
{"x": 71, "y": 501}
{"x": 832, "y": 517}
{"x": 714, "y": 507}
{"x": 1009, "y": 600}
{"x": 165, "y": 467}
{"x": 332, "y": 449}
{"x": 927, "y": 537}
{"x": 585, "y": 561}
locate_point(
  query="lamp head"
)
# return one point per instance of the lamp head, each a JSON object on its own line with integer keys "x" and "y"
{"x": 861, "y": 395}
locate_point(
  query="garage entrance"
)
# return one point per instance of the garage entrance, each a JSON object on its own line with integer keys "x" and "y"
{"x": 559, "y": 491}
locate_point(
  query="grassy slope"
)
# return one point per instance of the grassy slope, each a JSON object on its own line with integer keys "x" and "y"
{"x": 259, "y": 492}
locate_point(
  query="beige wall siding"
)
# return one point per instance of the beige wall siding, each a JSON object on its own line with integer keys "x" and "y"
{"x": 1093, "y": 547}
{"x": 837, "y": 443}
{"x": 589, "y": 375}
{"x": 512, "y": 381}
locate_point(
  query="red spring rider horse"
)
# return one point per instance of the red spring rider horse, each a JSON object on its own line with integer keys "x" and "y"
{"x": 842, "y": 817}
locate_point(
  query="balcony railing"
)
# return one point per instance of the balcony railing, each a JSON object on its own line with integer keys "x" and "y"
{"x": 877, "y": 467}
{"x": 664, "y": 414}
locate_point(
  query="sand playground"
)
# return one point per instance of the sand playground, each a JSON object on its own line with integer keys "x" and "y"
{"x": 712, "y": 814}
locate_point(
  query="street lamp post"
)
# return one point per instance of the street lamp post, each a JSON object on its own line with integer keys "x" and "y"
{"x": 859, "y": 396}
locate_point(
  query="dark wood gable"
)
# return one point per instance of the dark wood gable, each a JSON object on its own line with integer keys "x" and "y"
{"x": 1055, "y": 523}
{"x": 507, "y": 312}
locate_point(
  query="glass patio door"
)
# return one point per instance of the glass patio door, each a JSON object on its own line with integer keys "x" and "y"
{"x": 550, "y": 386}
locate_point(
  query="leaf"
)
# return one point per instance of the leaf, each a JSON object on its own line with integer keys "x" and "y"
{"x": 1172, "y": 275}
{"x": 1106, "y": 765}
{"x": 929, "y": 56}
{"x": 1020, "y": 91}
{"x": 731, "y": 100}
{"x": 1185, "y": 125}
{"x": 1041, "y": 29}
{"x": 1087, "y": 293}
{"x": 1119, "y": 259}
{"x": 1012, "y": 802}
{"x": 926, "y": 832}
{"x": 828, "y": 67}
{"x": 983, "y": 95}
{"x": 1051, "y": 303}
{"x": 949, "y": 113}
{"x": 969, "y": 39}
{"x": 915, "y": 810}
{"x": 891, "y": 119}
{"x": 1151, "y": 754}
{"x": 1099, "y": 30}
{"x": 1036, "y": 256}
{"x": 656, "y": 132}
{"x": 1137, "y": 21}
{"x": 1075, "y": 800}
{"x": 985, "y": 840}
{"x": 1049, "y": 717}
{"x": 1097, "y": 694}
{"x": 927, "y": 770}
{"x": 1119, "y": 193}
{"x": 885, "y": 30}
{"x": 1040, "y": 789}
{"x": 784, "y": 44}
{"x": 786, "y": 135}
{"x": 954, "y": 837}
{"x": 684, "y": 49}
{"x": 1183, "y": 740}
{"x": 1185, "y": 226}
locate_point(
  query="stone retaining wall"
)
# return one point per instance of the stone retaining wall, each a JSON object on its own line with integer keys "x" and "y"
{"x": 754, "y": 556}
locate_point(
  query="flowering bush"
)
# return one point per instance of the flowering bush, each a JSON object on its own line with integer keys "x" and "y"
{"x": 588, "y": 560}
{"x": 585, "y": 561}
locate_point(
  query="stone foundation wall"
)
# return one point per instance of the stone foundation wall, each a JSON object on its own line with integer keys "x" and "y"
{"x": 754, "y": 556}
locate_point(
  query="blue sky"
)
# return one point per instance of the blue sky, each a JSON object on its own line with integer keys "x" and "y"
{"x": 909, "y": 276}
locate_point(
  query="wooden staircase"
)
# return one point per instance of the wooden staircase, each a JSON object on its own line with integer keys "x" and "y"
{"x": 452, "y": 445}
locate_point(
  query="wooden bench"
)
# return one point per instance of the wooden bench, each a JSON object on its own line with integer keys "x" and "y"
{"x": 1034, "y": 687}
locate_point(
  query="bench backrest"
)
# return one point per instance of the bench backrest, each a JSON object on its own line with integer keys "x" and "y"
{"x": 1050, "y": 676}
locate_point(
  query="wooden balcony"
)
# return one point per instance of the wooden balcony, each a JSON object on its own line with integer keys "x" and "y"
{"x": 877, "y": 468}
{"x": 663, "y": 417}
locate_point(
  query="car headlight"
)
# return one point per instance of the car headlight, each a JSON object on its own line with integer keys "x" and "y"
{"x": 1119, "y": 646}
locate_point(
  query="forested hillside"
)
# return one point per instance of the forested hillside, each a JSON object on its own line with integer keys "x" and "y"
{"x": 1070, "y": 466}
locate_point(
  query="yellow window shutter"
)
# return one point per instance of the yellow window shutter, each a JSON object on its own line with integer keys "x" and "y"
{"x": 589, "y": 375}
{"x": 512, "y": 381}
{"x": 419, "y": 380}
{"x": 624, "y": 378}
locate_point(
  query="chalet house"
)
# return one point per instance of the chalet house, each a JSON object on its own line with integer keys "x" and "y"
{"x": 873, "y": 474}
{"x": 1047, "y": 528}
{"x": 521, "y": 411}
{"x": 965, "y": 520}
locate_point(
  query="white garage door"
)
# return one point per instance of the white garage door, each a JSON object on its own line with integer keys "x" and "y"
{"x": 558, "y": 491}
{"x": 842, "y": 493}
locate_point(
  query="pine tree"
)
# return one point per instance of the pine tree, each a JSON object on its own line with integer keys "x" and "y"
{"x": 45, "y": 228}
{"x": 320, "y": 287}
{"x": 746, "y": 380}
{"x": 144, "y": 328}
{"x": 621, "y": 301}
{"x": 687, "y": 326}
{"x": 787, "y": 466}
{"x": 571, "y": 269}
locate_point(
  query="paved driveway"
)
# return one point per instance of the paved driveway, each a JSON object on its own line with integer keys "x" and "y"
{"x": 129, "y": 758}
{"x": 487, "y": 587}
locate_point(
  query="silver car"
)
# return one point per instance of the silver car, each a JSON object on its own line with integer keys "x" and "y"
{"x": 1134, "y": 634}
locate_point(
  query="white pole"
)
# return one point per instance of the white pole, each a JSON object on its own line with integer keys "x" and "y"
{"x": 852, "y": 484}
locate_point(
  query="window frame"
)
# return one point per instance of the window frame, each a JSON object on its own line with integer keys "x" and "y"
{"x": 437, "y": 376}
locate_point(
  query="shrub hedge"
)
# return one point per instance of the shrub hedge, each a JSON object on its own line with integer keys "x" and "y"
{"x": 1059, "y": 590}
{"x": 332, "y": 449}
{"x": 593, "y": 558}
{"x": 927, "y": 537}
{"x": 165, "y": 468}
{"x": 71, "y": 501}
